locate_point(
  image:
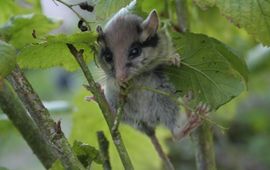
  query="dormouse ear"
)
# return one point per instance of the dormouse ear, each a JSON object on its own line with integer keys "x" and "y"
{"x": 149, "y": 25}
{"x": 100, "y": 38}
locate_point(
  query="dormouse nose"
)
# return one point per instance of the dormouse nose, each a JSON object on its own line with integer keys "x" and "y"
{"x": 121, "y": 76}
{"x": 120, "y": 66}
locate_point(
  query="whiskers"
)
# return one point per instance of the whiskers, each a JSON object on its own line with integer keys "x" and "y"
{"x": 169, "y": 56}
{"x": 102, "y": 79}
{"x": 98, "y": 74}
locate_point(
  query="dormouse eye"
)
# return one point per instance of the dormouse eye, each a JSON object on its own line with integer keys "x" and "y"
{"x": 135, "y": 51}
{"x": 108, "y": 57}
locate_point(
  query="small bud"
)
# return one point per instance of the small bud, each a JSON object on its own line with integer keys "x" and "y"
{"x": 34, "y": 33}
{"x": 82, "y": 26}
{"x": 86, "y": 6}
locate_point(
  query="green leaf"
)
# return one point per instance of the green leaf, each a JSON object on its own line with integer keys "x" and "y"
{"x": 143, "y": 8}
{"x": 209, "y": 69}
{"x": 7, "y": 59}
{"x": 52, "y": 51}
{"x": 106, "y": 8}
{"x": 204, "y": 4}
{"x": 3, "y": 168}
{"x": 57, "y": 165}
{"x": 86, "y": 153}
{"x": 10, "y": 8}
{"x": 18, "y": 30}
{"x": 201, "y": 21}
{"x": 253, "y": 15}
{"x": 88, "y": 119}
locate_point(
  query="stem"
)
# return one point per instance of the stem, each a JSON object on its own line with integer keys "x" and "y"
{"x": 120, "y": 110}
{"x": 104, "y": 150}
{"x": 75, "y": 12}
{"x": 182, "y": 16}
{"x": 168, "y": 164}
{"x": 204, "y": 145}
{"x": 15, "y": 111}
{"x": 166, "y": 9}
{"x": 31, "y": 100}
{"x": 203, "y": 137}
{"x": 104, "y": 106}
{"x": 45, "y": 123}
{"x": 205, "y": 154}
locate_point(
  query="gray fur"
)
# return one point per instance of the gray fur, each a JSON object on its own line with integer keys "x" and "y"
{"x": 142, "y": 106}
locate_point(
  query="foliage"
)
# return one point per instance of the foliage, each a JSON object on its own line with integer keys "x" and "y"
{"x": 86, "y": 153}
{"x": 2, "y": 168}
{"x": 18, "y": 30}
{"x": 212, "y": 70}
{"x": 7, "y": 59}
{"x": 88, "y": 120}
{"x": 105, "y": 9}
{"x": 52, "y": 51}
{"x": 11, "y": 8}
{"x": 57, "y": 165}
{"x": 253, "y": 15}
{"x": 209, "y": 69}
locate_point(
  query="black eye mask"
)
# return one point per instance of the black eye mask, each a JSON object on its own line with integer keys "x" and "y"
{"x": 135, "y": 50}
{"x": 151, "y": 41}
{"x": 107, "y": 55}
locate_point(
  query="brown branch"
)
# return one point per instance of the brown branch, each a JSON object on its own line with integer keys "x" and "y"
{"x": 41, "y": 117}
{"x": 108, "y": 114}
{"x": 104, "y": 150}
{"x": 15, "y": 111}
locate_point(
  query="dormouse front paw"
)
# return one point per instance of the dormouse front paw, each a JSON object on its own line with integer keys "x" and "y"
{"x": 175, "y": 60}
{"x": 194, "y": 120}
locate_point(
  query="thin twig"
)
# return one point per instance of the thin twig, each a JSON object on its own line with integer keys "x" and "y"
{"x": 76, "y": 13}
{"x": 108, "y": 114}
{"x": 120, "y": 110}
{"x": 205, "y": 158}
{"x": 181, "y": 12}
{"x": 187, "y": 108}
{"x": 204, "y": 147}
{"x": 42, "y": 118}
{"x": 104, "y": 150}
{"x": 168, "y": 164}
{"x": 203, "y": 141}
{"x": 16, "y": 112}
{"x": 166, "y": 9}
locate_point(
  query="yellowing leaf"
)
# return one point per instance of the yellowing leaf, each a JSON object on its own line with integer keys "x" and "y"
{"x": 11, "y": 8}
{"x": 18, "y": 30}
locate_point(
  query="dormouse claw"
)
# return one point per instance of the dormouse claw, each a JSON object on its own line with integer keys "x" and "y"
{"x": 175, "y": 60}
{"x": 194, "y": 120}
{"x": 89, "y": 98}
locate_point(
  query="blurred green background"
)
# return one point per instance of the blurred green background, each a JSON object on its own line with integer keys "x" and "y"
{"x": 244, "y": 144}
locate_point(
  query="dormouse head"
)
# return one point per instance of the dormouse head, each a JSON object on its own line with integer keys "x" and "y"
{"x": 126, "y": 45}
